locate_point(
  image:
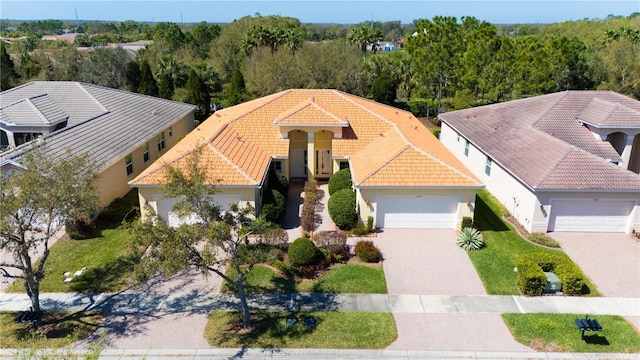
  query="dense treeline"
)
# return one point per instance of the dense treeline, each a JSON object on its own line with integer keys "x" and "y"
{"x": 447, "y": 63}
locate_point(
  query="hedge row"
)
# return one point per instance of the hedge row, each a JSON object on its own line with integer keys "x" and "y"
{"x": 308, "y": 216}
{"x": 531, "y": 279}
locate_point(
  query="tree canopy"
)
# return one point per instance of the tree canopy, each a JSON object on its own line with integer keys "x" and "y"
{"x": 35, "y": 204}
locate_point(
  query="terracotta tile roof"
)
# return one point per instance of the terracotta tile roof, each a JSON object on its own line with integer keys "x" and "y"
{"x": 542, "y": 141}
{"x": 309, "y": 113}
{"x": 379, "y": 140}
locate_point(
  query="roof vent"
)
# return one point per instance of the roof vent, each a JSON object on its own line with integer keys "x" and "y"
{"x": 381, "y": 135}
{"x": 552, "y": 134}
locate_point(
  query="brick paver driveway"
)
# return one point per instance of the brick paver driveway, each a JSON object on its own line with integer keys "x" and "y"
{"x": 427, "y": 262}
{"x": 610, "y": 260}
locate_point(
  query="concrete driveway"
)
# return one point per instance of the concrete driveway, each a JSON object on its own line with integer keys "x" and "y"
{"x": 610, "y": 260}
{"x": 427, "y": 262}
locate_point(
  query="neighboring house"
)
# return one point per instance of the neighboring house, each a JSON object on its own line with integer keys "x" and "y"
{"x": 122, "y": 132}
{"x": 402, "y": 174}
{"x": 566, "y": 161}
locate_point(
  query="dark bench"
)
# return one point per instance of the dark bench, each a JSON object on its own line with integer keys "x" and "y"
{"x": 587, "y": 324}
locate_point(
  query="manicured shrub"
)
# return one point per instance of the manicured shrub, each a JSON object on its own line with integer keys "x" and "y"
{"x": 436, "y": 133}
{"x": 308, "y": 215}
{"x": 369, "y": 224}
{"x": 469, "y": 239}
{"x": 543, "y": 239}
{"x": 274, "y": 206}
{"x": 333, "y": 241}
{"x": 340, "y": 180}
{"x": 367, "y": 251}
{"x": 467, "y": 222}
{"x": 342, "y": 208}
{"x": 303, "y": 252}
{"x": 80, "y": 228}
{"x": 570, "y": 275}
{"x": 277, "y": 237}
{"x": 530, "y": 278}
{"x": 360, "y": 229}
{"x": 120, "y": 209}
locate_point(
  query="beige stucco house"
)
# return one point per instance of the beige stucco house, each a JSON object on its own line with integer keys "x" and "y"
{"x": 403, "y": 176}
{"x": 566, "y": 161}
{"x": 122, "y": 132}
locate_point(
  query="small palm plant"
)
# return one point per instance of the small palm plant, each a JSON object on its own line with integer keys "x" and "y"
{"x": 469, "y": 239}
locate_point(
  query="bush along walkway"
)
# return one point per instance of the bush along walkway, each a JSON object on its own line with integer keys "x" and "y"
{"x": 130, "y": 301}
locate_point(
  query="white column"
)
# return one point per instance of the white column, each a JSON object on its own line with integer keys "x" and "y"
{"x": 626, "y": 153}
{"x": 311, "y": 156}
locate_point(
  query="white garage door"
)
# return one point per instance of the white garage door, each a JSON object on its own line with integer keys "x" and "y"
{"x": 416, "y": 212}
{"x": 165, "y": 206}
{"x": 590, "y": 216}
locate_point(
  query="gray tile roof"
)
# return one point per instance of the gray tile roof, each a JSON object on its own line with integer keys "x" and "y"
{"x": 105, "y": 123}
{"x": 542, "y": 142}
{"x": 39, "y": 110}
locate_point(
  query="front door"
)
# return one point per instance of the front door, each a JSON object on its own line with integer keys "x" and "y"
{"x": 298, "y": 163}
{"x": 323, "y": 163}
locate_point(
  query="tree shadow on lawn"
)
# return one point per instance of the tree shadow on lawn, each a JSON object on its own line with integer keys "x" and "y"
{"x": 486, "y": 218}
{"x": 59, "y": 325}
{"x": 267, "y": 327}
{"x": 107, "y": 278}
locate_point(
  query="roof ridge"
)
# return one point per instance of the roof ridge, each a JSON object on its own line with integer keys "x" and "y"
{"x": 564, "y": 95}
{"x": 164, "y": 163}
{"x": 317, "y": 106}
{"x": 409, "y": 143}
{"x": 225, "y": 158}
{"x": 379, "y": 168}
{"x": 84, "y": 90}
{"x": 280, "y": 95}
{"x": 553, "y": 168}
{"x": 35, "y": 108}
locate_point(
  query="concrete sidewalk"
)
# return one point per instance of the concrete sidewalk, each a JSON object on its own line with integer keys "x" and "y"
{"x": 435, "y": 304}
{"x": 318, "y": 354}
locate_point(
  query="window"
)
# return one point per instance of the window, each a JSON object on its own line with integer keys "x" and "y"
{"x": 466, "y": 148}
{"x": 277, "y": 166}
{"x": 487, "y": 167}
{"x": 344, "y": 165}
{"x": 129, "y": 163}
{"x": 458, "y": 139}
{"x": 145, "y": 152}
{"x": 170, "y": 131}
{"x": 161, "y": 144}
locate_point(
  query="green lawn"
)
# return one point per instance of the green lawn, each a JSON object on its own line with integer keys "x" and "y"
{"x": 348, "y": 278}
{"x": 109, "y": 259}
{"x": 557, "y": 333}
{"x": 502, "y": 249}
{"x": 334, "y": 330}
{"x": 58, "y": 329}
{"x": 345, "y": 278}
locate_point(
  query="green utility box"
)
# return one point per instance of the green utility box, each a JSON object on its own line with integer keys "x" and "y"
{"x": 554, "y": 284}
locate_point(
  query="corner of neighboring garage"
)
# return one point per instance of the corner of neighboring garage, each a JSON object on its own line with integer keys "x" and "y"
{"x": 594, "y": 214}
{"x": 416, "y": 208}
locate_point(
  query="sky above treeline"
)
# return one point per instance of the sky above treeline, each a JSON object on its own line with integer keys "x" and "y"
{"x": 310, "y": 11}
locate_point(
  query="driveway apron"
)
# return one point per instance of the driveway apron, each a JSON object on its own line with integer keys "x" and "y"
{"x": 427, "y": 262}
{"x": 610, "y": 260}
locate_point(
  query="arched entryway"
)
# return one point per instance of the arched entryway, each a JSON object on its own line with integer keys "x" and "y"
{"x": 634, "y": 159}
{"x": 618, "y": 141}
{"x": 298, "y": 154}
{"x": 323, "y": 159}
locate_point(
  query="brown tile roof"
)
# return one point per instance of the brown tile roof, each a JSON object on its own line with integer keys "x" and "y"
{"x": 542, "y": 141}
{"x": 386, "y": 146}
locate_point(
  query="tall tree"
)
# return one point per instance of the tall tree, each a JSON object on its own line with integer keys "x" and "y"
{"x": 236, "y": 89}
{"x": 35, "y": 203}
{"x": 198, "y": 94}
{"x": 8, "y": 74}
{"x": 210, "y": 245}
{"x": 132, "y": 75}
{"x": 105, "y": 67}
{"x": 384, "y": 89}
{"x": 148, "y": 85}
